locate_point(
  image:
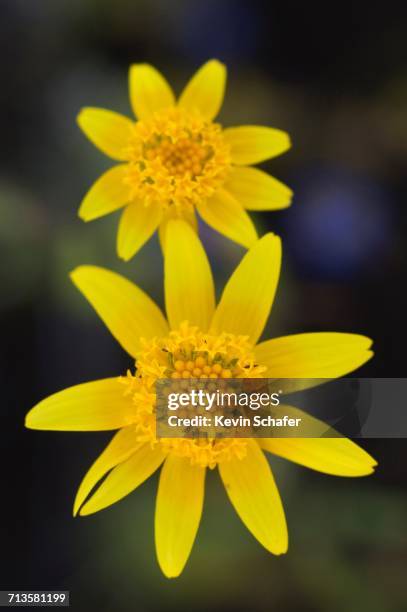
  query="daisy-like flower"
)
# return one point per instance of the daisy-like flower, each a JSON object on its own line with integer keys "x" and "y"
{"x": 185, "y": 346}
{"x": 175, "y": 160}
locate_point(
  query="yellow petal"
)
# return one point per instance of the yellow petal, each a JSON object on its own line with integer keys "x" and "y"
{"x": 188, "y": 282}
{"x": 124, "y": 478}
{"x": 334, "y": 456}
{"x": 109, "y": 131}
{"x": 252, "y": 490}
{"x": 93, "y": 406}
{"x": 126, "y": 310}
{"x": 256, "y": 190}
{"x": 122, "y": 446}
{"x": 149, "y": 90}
{"x": 178, "y": 512}
{"x": 251, "y": 144}
{"x": 137, "y": 224}
{"x": 227, "y": 216}
{"x": 205, "y": 90}
{"x": 314, "y": 355}
{"x": 107, "y": 194}
{"x": 248, "y": 296}
{"x": 337, "y": 456}
{"x": 188, "y": 215}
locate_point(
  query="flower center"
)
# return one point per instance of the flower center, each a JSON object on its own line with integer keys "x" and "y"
{"x": 181, "y": 158}
{"x": 189, "y": 353}
{"x": 177, "y": 159}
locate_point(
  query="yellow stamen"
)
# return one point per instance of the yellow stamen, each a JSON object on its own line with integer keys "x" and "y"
{"x": 179, "y": 365}
{"x": 200, "y": 362}
{"x": 185, "y": 353}
{"x": 226, "y": 373}
{"x": 177, "y": 159}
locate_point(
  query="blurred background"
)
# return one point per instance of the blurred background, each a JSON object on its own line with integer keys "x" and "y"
{"x": 336, "y": 80}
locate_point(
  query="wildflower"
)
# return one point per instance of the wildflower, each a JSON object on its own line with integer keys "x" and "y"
{"x": 185, "y": 346}
{"x": 176, "y": 160}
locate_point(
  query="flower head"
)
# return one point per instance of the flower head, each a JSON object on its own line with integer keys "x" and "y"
{"x": 178, "y": 161}
{"x": 185, "y": 345}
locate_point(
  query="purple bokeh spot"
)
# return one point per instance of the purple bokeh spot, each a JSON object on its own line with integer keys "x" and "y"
{"x": 341, "y": 223}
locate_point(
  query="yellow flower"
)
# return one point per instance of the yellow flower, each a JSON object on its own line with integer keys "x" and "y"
{"x": 176, "y": 160}
{"x": 185, "y": 345}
